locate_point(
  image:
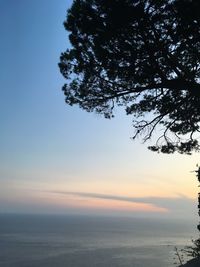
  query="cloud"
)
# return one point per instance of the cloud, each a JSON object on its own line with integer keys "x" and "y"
{"x": 180, "y": 203}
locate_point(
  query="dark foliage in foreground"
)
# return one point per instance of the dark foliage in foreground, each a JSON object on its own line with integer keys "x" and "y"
{"x": 193, "y": 251}
{"x": 140, "y": 54}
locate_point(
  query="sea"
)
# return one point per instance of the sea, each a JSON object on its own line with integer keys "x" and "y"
{"x": 89, "y": 241}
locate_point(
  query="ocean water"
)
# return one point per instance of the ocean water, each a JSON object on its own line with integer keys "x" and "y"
{"x": 78, "y": 241}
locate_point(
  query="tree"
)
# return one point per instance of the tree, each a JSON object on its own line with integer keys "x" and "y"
{"x": 143, "y": 55}
{"x": 192, "y": 251}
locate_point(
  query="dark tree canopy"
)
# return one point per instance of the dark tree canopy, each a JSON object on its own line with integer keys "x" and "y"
{"x": 140, "y": 54}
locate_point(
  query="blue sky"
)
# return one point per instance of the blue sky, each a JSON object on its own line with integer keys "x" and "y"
{"x": 47, "y": 146}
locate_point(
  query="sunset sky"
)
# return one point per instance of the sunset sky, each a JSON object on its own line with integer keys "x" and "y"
{"x": 60, "y": 159}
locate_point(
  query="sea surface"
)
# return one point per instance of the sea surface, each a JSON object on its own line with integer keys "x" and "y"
{"x": 84, "y": 241}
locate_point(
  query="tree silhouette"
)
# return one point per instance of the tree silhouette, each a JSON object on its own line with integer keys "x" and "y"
{"x": 194, "y": 250}
{"x": 143, "y": 55}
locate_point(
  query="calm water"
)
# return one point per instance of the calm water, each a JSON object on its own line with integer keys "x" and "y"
{"x": 75, "y": 241}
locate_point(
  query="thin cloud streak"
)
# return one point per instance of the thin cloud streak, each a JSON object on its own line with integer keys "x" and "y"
{"x": 178, "y": 203}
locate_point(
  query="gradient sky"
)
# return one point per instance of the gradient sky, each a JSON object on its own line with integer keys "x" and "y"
{"x": 60, "y": 159}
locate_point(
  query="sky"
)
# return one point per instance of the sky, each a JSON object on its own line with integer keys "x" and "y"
{"x": 60, "y": 159}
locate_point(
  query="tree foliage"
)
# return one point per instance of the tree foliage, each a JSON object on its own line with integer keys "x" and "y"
{"x": 143, "y": 55}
